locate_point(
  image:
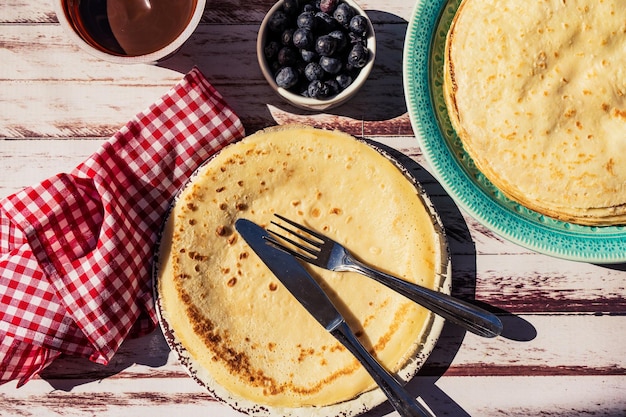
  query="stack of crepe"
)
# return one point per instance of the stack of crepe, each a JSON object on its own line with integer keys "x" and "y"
{"x": 536, "y": 91}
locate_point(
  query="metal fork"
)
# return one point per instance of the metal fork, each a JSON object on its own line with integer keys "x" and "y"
{"x": 324, "y": 252}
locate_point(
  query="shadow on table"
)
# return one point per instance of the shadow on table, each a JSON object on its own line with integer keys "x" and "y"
{"x": 461, "y": 247}
{"x": 616, "y": 267}
{"x": 239, "y": 79}
{"x": 67, "y": 372}
{"x": 463, "y": 259}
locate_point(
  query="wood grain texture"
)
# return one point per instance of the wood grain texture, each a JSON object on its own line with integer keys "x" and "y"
{"x": 538, "y": 344}
{"x": 454, "y": 396}
{"x": 216, "y": 11}
{"x": 144, "y": 374}
{"x": 95, "y": 98}
{"x": 562, "y": 352}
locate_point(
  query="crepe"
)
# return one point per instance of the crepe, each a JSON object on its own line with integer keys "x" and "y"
{"x": 236, "y": 320}
{"x": 536, "y": 91}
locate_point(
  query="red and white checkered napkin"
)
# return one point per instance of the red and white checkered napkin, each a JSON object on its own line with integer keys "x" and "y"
{"x": 76, "y": 249}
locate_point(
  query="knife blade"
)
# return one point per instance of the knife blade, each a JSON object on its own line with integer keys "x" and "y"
{"x": 291, "y": 274}
{"x": 310, "y": 294}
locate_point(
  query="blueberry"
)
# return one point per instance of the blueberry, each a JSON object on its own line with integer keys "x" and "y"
{"x": 291, "y": 7}
{"x": 287, "y": 56}
{"x": 308, "y": 56}
{"x": 354, "y": 38}
{"x": 318, "y": 89}
{"x": 342, "y": 39}
{"x": 271, "y": 50}
{"x": 313, "y": 71}
{"x": 344, "y": 80}
{"x": 324, "y": 22}
{"x": 316, "y": 48}
{"x": 287, "y": 77}
{"x": 306, "y": 20}
{"x": 275, "y": 66}
{"x": 325, "y": 45}
{"x": 333, "y": 87}
{"x": 287, "y": 36}
{"x": 343, "y": 14}
{"x": 328, "y": 6}
{"x": 330, "y": 65}
{"x": 358, "y": 25}
{"x": 278, "y": 22}
{"x": 358, "y": 55}
{"x": 303, "y": 39}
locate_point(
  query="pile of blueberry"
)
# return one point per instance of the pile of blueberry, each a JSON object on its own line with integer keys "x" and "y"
{"x": 316, "y": 48}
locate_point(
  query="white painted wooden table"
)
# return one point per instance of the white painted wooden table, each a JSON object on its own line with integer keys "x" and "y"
{"x": 563, "y": 351}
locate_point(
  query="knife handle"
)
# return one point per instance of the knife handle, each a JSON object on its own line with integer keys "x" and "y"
{"x": 405, "y": 404}
{"x": 469, "y": 316}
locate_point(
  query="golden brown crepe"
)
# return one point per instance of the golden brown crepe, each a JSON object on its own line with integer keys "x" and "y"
{"x": 536, "y": 91}
{"x": 239, "y": 323}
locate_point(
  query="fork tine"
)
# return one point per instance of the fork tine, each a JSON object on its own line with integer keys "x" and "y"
{"x": 286, "y": 249}
{"x": 299, "y": 226}
{"x": 294, "y": 233}
{"x": 293, "y": 242}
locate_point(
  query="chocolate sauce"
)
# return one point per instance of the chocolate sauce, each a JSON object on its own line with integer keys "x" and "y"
{"x": 129, "y": 27}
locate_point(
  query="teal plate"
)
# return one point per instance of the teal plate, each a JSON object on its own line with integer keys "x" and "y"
{"x": 423, "y": 84}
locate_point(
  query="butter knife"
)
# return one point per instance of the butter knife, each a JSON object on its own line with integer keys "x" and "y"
{"x": 309, "y": 293}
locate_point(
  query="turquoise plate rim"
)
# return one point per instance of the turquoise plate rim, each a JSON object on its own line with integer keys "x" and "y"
{"x": 457, "y": 174}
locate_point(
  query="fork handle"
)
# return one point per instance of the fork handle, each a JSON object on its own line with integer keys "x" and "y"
{"x": 404, "y": 403}
{"x": 469, "y": 316}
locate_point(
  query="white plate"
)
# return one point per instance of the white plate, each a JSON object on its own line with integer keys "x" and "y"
{"x": 356, "y": 406}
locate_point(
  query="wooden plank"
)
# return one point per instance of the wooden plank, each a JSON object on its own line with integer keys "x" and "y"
{"x": 526, "y": 396}
{"x": 118, "y": 397}
{"x": 76, "y": 95}
{"x": 26, "y": 11}
{"x": 70, "y": 111}
{"x": 545, "y": 284}
{"x": 28, "y": 162}
{"x": 454, "y": 396}
{"x": 548, "y": 345}
{"x": 575, "y": 361}
{"x": 228, "y": 11}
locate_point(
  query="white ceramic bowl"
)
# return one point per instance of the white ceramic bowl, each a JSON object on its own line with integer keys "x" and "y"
{"x": 313, "y": 103}
{"x": 172, "y": 47}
